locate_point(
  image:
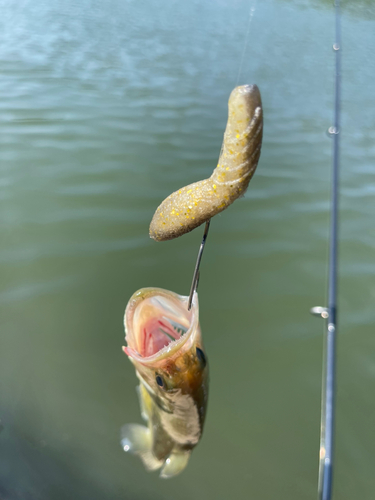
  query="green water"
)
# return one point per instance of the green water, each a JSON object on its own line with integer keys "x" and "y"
{"x": 105, "y": 109}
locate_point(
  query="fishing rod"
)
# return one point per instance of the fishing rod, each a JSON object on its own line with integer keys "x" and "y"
{"x": 329, "y": 313}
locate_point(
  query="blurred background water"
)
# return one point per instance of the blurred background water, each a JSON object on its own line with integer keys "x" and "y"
{"x": 105, "y": 109}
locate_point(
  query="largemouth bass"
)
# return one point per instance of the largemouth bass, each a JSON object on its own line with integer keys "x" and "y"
{"x": 164, "y": 344}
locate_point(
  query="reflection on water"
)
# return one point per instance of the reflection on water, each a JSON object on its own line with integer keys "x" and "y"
{"x": 105, "y": 109}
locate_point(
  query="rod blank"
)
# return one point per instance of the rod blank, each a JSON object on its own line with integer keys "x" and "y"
{"x": 329, "y": 363}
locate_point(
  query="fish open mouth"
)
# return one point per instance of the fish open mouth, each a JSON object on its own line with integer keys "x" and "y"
{"x": 157, "y": 323}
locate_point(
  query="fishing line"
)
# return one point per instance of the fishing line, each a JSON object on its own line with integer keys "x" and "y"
{"x": 330, "y": 313}
{"x": 251, "y": 14}
{"x": 194, "y": 284}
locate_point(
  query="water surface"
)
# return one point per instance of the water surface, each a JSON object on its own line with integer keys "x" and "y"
{"x": 105, "y": 109}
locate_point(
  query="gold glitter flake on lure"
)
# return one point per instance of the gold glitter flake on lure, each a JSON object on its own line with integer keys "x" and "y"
{"x": 190, "y": 206}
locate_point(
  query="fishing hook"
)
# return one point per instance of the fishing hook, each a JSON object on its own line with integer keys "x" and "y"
{"x": 194, "y": 283}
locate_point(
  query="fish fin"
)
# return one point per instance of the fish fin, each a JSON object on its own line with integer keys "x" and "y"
{"x": 142, "y": 404}
{"x": 137, "y": 439}
{"x": 175, "y": 463}
{"x": 145, "y": 402}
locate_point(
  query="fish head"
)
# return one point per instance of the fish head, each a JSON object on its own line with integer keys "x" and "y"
{"x": 164, "y": 343}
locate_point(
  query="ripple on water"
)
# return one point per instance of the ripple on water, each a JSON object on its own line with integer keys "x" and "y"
{"x": 105, "y": 109}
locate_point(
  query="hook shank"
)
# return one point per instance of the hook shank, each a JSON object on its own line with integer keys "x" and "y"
{"x": 194, "y": 283}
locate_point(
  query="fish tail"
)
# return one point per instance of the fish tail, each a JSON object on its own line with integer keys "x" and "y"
{"x": 137, "y": 440}
{"x": 175, "y": 463}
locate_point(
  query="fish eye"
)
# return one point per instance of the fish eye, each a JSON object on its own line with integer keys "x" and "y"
{"x": 201, "y": 356}
{"x": 159, "y": 380}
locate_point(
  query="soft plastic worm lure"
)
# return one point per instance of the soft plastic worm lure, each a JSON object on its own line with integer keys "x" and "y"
{"x": 190, "y": 206}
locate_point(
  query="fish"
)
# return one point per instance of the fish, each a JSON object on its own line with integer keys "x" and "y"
{"x": 164, "y": 343}
{"x": 192, "y": 205}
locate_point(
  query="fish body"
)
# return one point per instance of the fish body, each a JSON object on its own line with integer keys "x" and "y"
{"x": 164, "y": 343}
